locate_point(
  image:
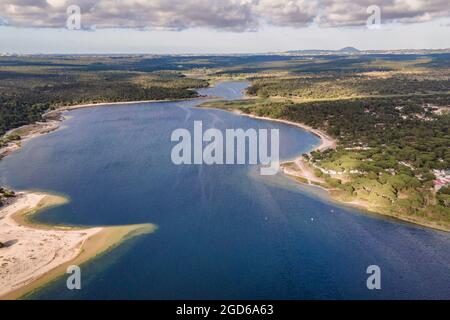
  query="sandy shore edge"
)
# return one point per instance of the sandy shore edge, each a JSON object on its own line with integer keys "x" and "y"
{"x": 326, "y": 142}
{"x": 35, "y": 254}
{"x": 98, "y": 104}
{"x": 53, "y": 119}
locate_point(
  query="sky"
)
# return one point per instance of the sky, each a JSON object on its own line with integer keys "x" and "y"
{"x": 220, "y": 26}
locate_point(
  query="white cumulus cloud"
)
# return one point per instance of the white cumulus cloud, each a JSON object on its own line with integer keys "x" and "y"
{"x": 232, "y": 15}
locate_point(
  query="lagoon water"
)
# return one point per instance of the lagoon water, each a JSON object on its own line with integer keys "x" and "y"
{"x": 225, "y": 232}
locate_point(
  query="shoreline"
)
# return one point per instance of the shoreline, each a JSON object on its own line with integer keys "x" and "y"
{"x": 35, "y": 254}
{"x": 326, "y": 141}
{"x": 55, "y": 117}
{"x": 85, "y": 244}
{"x": 106, "y": 104}
{"x": 76, "y": 244}
{"x": 303, "y": 174}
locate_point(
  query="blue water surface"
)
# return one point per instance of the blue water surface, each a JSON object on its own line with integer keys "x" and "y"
{"x": 225, "y": 232}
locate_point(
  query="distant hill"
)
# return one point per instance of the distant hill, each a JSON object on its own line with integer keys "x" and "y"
{"x": 349, "y": 50}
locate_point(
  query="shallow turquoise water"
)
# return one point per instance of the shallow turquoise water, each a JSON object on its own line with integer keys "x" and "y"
{"x": 224, "y": 231}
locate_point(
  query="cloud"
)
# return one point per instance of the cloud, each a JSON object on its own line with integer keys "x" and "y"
{"x": 230, "y": 15}
{"x": 353, "y": 13}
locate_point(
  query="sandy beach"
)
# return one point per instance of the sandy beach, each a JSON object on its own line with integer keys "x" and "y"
{"x": 26, "y": 133}
{"x": 299, "y": 168}
{"x": 35, "y": 254}
{"x": 326, "y": 142}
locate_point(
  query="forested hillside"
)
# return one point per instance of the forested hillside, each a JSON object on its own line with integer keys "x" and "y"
{"x": 30, "y": 86}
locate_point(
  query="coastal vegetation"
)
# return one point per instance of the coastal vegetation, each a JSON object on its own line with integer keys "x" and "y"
{"x": 386, "y": 167}
{"x": 390, "y": 118}
{"x": 29, "y": 86}
{"x": 5, "y": 195}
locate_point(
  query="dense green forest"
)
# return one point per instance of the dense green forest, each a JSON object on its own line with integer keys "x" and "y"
{"x": 392, "y": 149}
{"x": 5, "y": 194}
{"x": 328, "y": 87}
